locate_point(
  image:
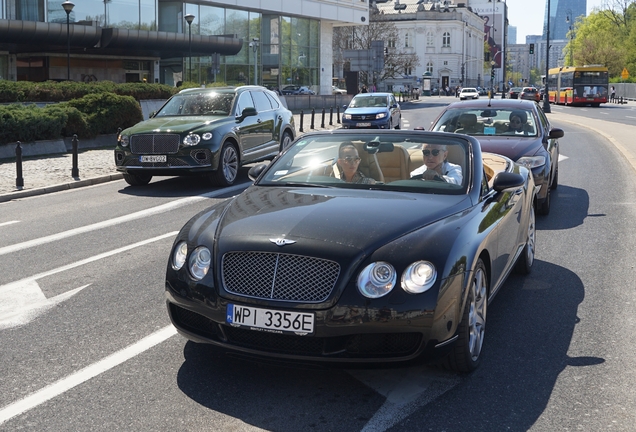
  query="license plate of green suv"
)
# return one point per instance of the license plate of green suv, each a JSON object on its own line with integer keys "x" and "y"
{"x": 153, "y": 158}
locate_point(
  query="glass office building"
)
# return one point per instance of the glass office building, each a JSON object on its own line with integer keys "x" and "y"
{"x": 563, "y": 14}
{"x": 150, "y": 40}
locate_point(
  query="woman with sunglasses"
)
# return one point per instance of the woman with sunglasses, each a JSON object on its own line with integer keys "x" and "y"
{"x": 436, "y": 167}
{"x": 348, "y": 163}
{"x": 518, "y": 123}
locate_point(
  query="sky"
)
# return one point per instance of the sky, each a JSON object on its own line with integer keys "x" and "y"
{"x": 529, "y": 20}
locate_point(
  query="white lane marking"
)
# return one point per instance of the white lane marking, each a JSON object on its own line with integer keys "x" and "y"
{"x": 406, "y": 390}
{"x": 8, "y": 223}
{"x": 138, "y": 215}
{"x": 10, "y": 286}
{"x": 562, "y": 158}
{"x": 57, "y": 388}
{"x": 631, "y": 117}
{"x": 23, "y": 303}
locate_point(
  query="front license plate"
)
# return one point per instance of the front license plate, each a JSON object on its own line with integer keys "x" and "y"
{"x": 270, "y": 320}
{"x": 158, "y": 158}
{"x": 363, "y": 124}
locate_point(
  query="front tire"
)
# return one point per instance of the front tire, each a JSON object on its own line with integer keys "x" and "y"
{"x": 466, "y": 355}
{"x": 227, "y": 171}
{"x": 286, "y": 141}
{"x": 526, "y": 259}
{"x": 137, "y": 179}
{"x": 555, "y": 180}
{"x": 398, "y": 126}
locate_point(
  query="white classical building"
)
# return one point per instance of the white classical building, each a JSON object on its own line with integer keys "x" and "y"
{"x": 448, "y": 39}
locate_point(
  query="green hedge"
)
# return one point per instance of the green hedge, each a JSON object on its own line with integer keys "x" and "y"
{"x": 51, "y": 91}
{"x": 88, "y": 116}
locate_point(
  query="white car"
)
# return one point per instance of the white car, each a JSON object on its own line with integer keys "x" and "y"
{"x": 469, "y": 93}
{"x": 337, "y": 90}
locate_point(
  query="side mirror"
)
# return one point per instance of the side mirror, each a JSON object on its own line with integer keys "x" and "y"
{"x": 506, "y": 180}
{"x": 256, "y": 171}
{"x": 556, "y": 133}
{"x": 152, "y": 114}
{"x": 247, "y": 112}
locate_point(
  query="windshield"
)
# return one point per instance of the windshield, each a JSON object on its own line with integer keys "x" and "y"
{"x": 368, "y": 101}
{"x": 208, "y": 103}
{"x": 505, "y": 122}
{"x": 413, "y": 162}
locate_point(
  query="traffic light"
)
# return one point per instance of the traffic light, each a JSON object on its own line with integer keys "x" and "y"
{"x": 531, "y": 48}
{"x": 492, "y": 73}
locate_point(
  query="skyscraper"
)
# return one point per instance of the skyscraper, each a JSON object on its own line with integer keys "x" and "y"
{"x": 560, "y": 11}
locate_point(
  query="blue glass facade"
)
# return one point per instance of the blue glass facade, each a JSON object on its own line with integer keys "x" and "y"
{"x": 560, "y": 11}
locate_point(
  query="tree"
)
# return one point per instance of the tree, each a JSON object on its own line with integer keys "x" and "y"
{"x": 596, "y": 42}
{"x": 397, "y": 62}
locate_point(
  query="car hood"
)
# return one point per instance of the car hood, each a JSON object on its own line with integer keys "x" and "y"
{"x": 176, "y": 124}
{"x": 325, "y": 220}
{"x": 510, "y": 146}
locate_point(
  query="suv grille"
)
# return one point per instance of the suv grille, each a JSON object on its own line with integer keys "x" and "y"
{"x": 154, "y": 144}
{"x": 277, "y": 276}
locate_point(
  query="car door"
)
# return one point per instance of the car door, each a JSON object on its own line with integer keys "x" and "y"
{"x": 266, "y": 121}
{"x": 551, "y": 145}
{"x": 247, "y": 128}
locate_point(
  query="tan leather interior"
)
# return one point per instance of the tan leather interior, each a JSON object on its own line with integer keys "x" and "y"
{"x": 468, "y": 124}
{"x": 395, "y": 164}
{"x": 369, "y": 165}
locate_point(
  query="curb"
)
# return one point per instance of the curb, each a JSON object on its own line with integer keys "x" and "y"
{"x": 59, "y": 187}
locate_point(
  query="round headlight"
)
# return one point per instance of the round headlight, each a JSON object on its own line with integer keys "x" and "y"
{"x": 179, "y": 255}
{"x": 124, "y": 140}
{"x": 200, "y": 262}
{"x": 419, "y": 277}
{"x": 377, "y": 279}
{"x": 206, "y": 136}
{"x": 191, "y": 140}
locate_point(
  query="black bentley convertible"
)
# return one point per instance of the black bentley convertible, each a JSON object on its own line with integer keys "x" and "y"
{"x": 396, "y": 262}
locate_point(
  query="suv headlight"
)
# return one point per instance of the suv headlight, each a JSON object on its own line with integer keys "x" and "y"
{"x": 123, "y": 140}
{"x": 380, "y": 116}
{"x": 191, "y": 140}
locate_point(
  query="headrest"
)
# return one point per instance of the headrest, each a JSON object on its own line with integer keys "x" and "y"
{"x": 521, "y": 114}
{"x": 468, "y": 120}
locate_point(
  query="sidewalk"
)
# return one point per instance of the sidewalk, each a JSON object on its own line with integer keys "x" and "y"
{"x": 52, "y": 173}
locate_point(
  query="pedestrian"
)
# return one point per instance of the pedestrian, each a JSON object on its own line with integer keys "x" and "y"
{"x": 613, "y": 94}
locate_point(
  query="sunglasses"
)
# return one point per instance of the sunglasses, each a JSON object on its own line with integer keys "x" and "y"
{"x": 351, "y": 159}
{"x": 433, "y": 152}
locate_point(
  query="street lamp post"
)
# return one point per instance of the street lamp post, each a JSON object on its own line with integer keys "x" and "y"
{"x": 189, "y": 18}
{"x": 569, "y": 20}
{"x": 546, "y": 96}
{"x": 254, "y": 45}
{"x": 68, "y": 7}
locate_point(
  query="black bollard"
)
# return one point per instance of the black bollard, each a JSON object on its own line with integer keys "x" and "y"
{"x": 338, "y": 114}
{"x": 75, "y": 169}
{"x": 330, "y": 116}
{"x": 322, "y": 121}
{"x": 313, "y": 114}
{"x": 302, "y": 116}
{"x": 19, "y": 181}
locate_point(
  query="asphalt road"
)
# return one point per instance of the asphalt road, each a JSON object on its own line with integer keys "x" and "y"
{"x": 87, "y": 343}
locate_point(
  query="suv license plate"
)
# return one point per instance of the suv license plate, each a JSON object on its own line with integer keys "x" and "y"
{"x": 270, "y": 320}
{"x": 159, "y": 158}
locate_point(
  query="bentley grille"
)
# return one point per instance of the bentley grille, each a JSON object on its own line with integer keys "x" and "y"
{"x": 154, "y": 143}
{"x": 277, "y": 276}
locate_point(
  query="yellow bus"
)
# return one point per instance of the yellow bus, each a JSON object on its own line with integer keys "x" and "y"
{"x": 578, "y": 85}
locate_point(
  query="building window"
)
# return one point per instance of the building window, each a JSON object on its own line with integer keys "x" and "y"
{"x": 429, "y": 67}
{"x": 391, "y": 43}
{"x": 430, "y": 40}
{"x": 408, "y": 40}
{"x": 445, "y": 62}
{"x": 446, "y": 40}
